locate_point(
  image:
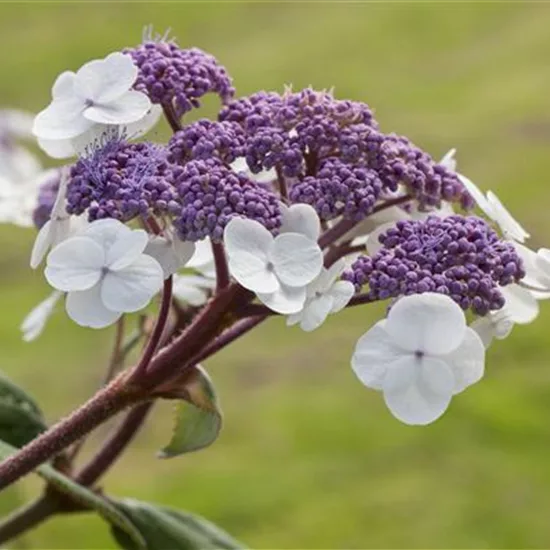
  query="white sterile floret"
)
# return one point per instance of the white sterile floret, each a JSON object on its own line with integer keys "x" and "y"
{"x": 170, "y": 252}
{"x": 34, "y": 323}
{"x": 448, "y": 160}
{"x": 203, "y": 259}
{"x": 240, "y": 166}
{"x": 56, "y": 229}
{"x": 420, "y": 356}
{"x": 100, "y": 92}
{"x": 278, "y": 269}
{"x": 105, "y": 272}
{"x": 325, "y": 295}
{"x": 193, "y": 289}
{"x": 520, "y": 308}
{"x": 496, "y": 211}
{"x": 83, "y": 143}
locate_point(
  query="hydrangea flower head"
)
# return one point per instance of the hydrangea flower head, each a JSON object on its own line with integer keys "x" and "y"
{"x": 122, "y": 180}
{"x": 461, "y": 257}
{"x": 178, "y": 77}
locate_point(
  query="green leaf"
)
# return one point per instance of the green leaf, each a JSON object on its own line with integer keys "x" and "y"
{"x": 168, "y": 529}
{"x": 198, "y": 418}
{"x": 105, "y": 508}
{"x": 21, "y": 419}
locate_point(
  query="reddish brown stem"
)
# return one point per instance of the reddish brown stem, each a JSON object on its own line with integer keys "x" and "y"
{"x": 171, "y": 117}
{"x": 222, "y": 270}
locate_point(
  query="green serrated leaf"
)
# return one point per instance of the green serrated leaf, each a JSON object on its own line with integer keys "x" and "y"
{"x": 105, "y": 508}
{"x": 198, "y": 417}
{"x": 168, "y": 529}
{"x": 21, "y": 419}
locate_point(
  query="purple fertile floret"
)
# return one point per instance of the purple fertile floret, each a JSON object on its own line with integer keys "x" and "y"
{"x": 461, "y": 257}
{"x": 122, "y": 180}
{"x": 173, "y": 76}
{"x": 211, "y": 194}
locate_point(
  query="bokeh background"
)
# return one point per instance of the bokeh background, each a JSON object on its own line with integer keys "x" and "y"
{"x": 309, "y": 458}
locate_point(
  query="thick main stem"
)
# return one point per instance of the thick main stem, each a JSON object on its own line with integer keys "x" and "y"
{"x": 103, "y": 405}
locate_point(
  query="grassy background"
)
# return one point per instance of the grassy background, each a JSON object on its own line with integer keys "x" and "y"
{"x": 308, "y": 457}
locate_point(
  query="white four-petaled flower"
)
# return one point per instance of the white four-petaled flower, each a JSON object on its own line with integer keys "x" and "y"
{"x": 325, "y": 295}
{"x": 420, "y": 356}
{"x": 100, "y": 92}
{"x": 278, "y": 269}
{"x": 105, "y": 273}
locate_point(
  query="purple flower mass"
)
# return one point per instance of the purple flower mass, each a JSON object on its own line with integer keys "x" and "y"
{"x": 122, "y": 180}
{"x": 211, "y": 194}
{"x": 172, "y": 76}
{"x": 329, "y": 149}
{"x": 461, "y": 257}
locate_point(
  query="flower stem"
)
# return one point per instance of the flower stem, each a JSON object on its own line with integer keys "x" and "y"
{"x": 222, "y": 269}
{"x": 392, "y": 202}
{"x": 335, "y": 232}
{"x": 158, "y": 331}
{"x": 114, "y": 445}
{"x": 171, "y": 117}
{"x": 103, "y": 405}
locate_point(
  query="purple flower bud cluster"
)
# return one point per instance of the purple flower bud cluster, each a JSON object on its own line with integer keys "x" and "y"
{"x": 172, "y": 76}
{"x": 122, "y": 180}
{"x": 47, "y": 194}
{"x": 206, "y": 139}
{"x": 339, "y": 189}
{"x": 211, "y": 194}
{"x": 301, "y": 134}
{"x": 461, "y": 257}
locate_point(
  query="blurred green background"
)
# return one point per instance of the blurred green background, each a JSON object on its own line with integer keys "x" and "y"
{"x": 309, "y": 458}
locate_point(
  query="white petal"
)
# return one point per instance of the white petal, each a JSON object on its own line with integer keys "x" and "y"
{"x": 418, "y": 391}
{"x": 125, "y": 249}
{"x": 521, "y": 306}
{"x": 58, "y": 209}
{"x": 63, "y": 87}
{"x": 86, "y": 308}
{"x": 467, "y": 362}
{"x": 143, "y": 125}
{"x": 294, "y": 318}
{"x": 118, "y": 74}
{"x": 62, "y": 119}
{"x": 537, "y": 273}
{"x": 41, "y": 245}
{"x": 478, "y": 196}
{"x": 192, "y": 289}
{"x": 341, "y": 293}
{"x": 301, "y": 218}
{"x": 509, "y": 225}
{"x": 431, "y": 323}
{"x": 285, "y": 300}
{"x": 485, "y": 329}
{"x": 247, "y": 244}
{"x": 130, "y": 107}
{"x": 448, "y": 160}
{"x": 171, "y": 255}
{"x": 106, "y": 232}
{"x": 315, "y": 312}
{"x": 87, "y": 81}
{"x": 131, "y": 289}
{"x": 203, "y": 255}
{"x": 296, "y": 259}
{"x": 35, "y": 321}
{"x": 57, "y": 148}
{"x": 326, "y": 279}
{"x": 75, "y": 264}
{"x": 374, "y": 353}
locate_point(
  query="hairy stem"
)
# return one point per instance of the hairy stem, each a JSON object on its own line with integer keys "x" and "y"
{"x": 335, "y": 232}
{"x": 171, "y": 117}
{"x": 158, "y": 331}
{"x": 222, "y": 269}
{"x": 114, "y": 445}
{"x": 103, "y": 405}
